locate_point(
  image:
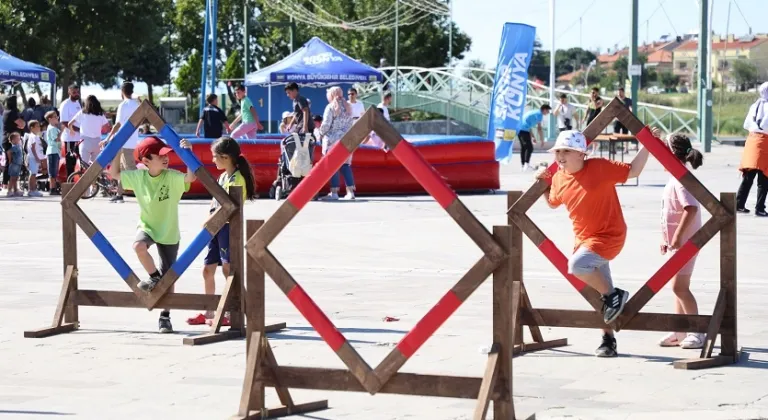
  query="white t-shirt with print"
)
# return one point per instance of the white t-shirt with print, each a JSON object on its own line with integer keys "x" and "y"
{"x": 358, "y": 109}
{"x": 68, "y": 110}
{"x": 566, "y": 112}
{"x": 34, "y": 143}
{"x": 90, "y": 125}
{"x": 124, "y": 112}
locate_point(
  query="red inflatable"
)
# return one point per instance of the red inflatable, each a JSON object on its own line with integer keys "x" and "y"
{"x": 467, "y": 163}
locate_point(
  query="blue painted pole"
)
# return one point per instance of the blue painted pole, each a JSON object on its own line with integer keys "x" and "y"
{"x": 214, "y": 49}
{"x": 204, "y": 77}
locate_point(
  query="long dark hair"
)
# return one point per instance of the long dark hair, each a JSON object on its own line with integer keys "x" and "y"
{"x": 92, "y": 106}
{"x": 683, "y": 149}
{"x": 12, "y": 103}
{"x": 229, "y": 147}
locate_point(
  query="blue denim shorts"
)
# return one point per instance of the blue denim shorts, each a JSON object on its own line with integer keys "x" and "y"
{"x": 14, "y": 170}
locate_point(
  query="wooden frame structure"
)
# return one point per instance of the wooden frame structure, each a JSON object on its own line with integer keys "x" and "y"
{"x": 66, "y": 318}
{"x": 262, "y": 369}
{"x": 723, "y": 319}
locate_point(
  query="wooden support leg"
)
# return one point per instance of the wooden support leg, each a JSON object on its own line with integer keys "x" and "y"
{"x": 506, "y": 305}
{"x": 729, "y": 346}
{"x": 216, "y": 335}
{"x": 706, "y": 360}
{"x": 57, "y": 326}
{"x": 488, "y": 384}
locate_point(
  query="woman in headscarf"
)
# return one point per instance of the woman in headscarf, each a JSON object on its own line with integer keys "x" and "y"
{"x": 337, "y": 120}
{"x": 754, "y": 161}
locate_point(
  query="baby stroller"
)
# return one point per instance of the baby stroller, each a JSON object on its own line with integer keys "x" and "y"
{"x": 286, "y": 181}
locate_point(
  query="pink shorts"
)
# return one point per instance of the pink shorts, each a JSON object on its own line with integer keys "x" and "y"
{"x": 249, "y": 130}
{"x": 687, "y": 269}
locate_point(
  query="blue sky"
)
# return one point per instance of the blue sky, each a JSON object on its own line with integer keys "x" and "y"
{"x": 604, "y": 24}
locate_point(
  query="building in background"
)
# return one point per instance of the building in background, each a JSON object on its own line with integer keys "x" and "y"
{"x": 725, "y": 51}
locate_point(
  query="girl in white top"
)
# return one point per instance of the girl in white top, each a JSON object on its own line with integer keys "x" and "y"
{"x": 92, "y": 123}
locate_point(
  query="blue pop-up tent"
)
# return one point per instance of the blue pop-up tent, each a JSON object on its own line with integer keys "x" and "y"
{"x": 16, "y": 70}
{"x": 315, "y": 62}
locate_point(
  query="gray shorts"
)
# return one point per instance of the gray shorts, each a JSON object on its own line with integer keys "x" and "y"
{"x": 168, "y": 253}
{"x": 584, "y": 261}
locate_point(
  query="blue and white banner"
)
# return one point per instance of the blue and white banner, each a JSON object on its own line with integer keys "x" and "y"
{"x": 510, "y": 87}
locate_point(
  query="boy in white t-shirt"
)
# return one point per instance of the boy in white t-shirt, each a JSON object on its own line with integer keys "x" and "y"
{"x": 35, "y": 157}
{"x": 357, "y": 107}
{"x": 383, "y": 107}
{"x": 125, "y": 158}
{"x": 70, "y": 136}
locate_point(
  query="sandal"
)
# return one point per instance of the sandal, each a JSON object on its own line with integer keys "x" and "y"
{"x": 672, "y": 339}
{"x": 693, "y": 341}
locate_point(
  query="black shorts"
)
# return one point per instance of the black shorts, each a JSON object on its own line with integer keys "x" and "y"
{"x": 168, "y": 253}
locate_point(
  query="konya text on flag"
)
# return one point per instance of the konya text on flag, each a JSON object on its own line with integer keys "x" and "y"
{"x": 510, "y": 87}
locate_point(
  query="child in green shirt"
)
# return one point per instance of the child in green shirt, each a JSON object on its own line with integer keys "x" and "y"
{"x": 158, "y": 191}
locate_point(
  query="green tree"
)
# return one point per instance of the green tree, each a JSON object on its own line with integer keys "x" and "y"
{"x": 744, "y": 73}
{"x": 668, "y": 79}
{"x": 233, "y": 69}
{"x": 188, "y": 80}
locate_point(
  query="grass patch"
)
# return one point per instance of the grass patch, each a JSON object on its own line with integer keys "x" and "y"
{"x": 730, "y": 115}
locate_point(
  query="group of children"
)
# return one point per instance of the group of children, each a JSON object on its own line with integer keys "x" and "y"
{"x": 39, "y": 151}
{"x": 587, "y": 189}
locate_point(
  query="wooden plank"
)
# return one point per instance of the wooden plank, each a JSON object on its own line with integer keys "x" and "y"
{"x": 359, "y": 367}
{"x": 627, "y": 118}
{"x": 66, "y": 288}
{"x": 358, "y": 132}
{"x": 49, "y": 331}
{"x": 273, "y": 413}
{"x": 153, "y": 117}
{"x": 183, "y": 301}
{"x": 384, "y": 129}
{"x": 536, "y": 346}
{"x": 69, "y": 254}
{"x": 270, "y": 365}
{"x": 695, "y": 364}
{"x": 529, "y": 197}
{"x": 508, "y": 273}
{"x": 237, "y": 259}
{"x": 81, "y": 186}
{"x": 271, "y": 228}
{"x": 642, "y": 322}
{"x": 603, "y": 119}
{"x": 212, "y": 337}
{"x": 475, "y": 230}
{"x": 252, "y": 367}
{"x": 703, "y": 195}
{"x": 488, "y": 384}
{"x": 162, "y": 288}
{"x": 226, "y": 298}
{"x": 524, "y": 223}
{"x": 714, "y": 325}
{"x": 728, "y": 280}
{"x": 82, "y": 220}
{"x": 272, "y": 266}
{"x": 217, "y": 191}
{"x": 140, "y": 115}
{"x": 400, "y": 383}
{"x": 255, "y": 304}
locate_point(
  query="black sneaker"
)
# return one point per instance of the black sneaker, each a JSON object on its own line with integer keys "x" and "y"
{"x": 164, "y": 323}
{"x": 742, "y": 210}
{"x": 760, "y": 213}
{"x": 613, "y": 304}
{"x": 117, "y": 199}
{"x": 608, "y": 347}
{"x": 149, "y": 284}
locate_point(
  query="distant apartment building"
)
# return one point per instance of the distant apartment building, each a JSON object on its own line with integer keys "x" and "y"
{"x": 725, "y": 51}
{"x": 659, "y": 54}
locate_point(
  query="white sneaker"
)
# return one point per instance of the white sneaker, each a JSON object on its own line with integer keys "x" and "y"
{"x": 34, "y": 194}
{"x": 332, "y": 196}
{"x": 523, "y": 168}
{"x": 672, "y": 339}
{"x": 350, "y": 195}
{"x": 693, "y": 341}
{"x": 10, "y": 194}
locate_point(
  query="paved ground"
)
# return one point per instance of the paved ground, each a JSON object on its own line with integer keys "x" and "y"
{"x": 362, "y": 261}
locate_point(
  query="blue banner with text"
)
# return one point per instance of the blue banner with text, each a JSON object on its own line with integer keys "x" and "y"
{"x": 510, "y": 87}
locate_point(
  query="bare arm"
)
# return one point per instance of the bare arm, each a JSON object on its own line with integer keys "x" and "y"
{"x": 20, "y": 123}
{"x": 638, "y": 163}
{"x": 199, "y": 125}
{"x": 254, "y": 114}
{"x": 114, "y": 172}
{"x": 541, "y": 134}
{"x": 237, "y": 120}
{"x": 306, "y": 119}
{"x": 689, "y": 213}
{"x": 190, "y": 176}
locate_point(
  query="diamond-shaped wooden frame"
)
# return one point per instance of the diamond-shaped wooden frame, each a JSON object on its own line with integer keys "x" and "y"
{"x": 66, "y": 318}
{"x": 722, "y": 218}
{"x": 371, "y": 380}
{"x": 147, "y": 113}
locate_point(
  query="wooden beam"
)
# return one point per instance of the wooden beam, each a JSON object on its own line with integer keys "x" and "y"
{"x": 184, "y": 301}
{"x": 273, "y": 413}
{"x": 714, "y": 325}
{"x": 49, "y": 331}
{"x": 536, "y": 346}
{"x": 641, "y": 322}
{"x": 252, "y": 367}
{"x": 69, "y": 254}
{"x": 729, "y": 345}
{"x": 488, "y": 384}
{"x": 506, "y": 278}
{"x": 66, "y": 288}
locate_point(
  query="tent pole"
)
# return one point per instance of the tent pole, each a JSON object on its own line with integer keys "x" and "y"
{"x": 397, "y": 42}
{"x": 269, "y": 107}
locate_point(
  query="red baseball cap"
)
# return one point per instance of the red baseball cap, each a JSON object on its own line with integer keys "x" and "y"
{"x": 152, "y": 146}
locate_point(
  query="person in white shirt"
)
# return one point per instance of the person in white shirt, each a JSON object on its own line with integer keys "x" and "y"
{"x": 373, "y": 138}
{"x": 754, "y": 159}
{"x": 36, "y": 158}
{"x": 125, "y": 158}
{"x": 564, "y": 114}
{"x": 67, "y": 111}
{"x": 92, "y": 123}
{"x": 358, "y": 108}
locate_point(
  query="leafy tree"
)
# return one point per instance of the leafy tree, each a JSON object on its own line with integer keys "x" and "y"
{"x": 744, "y": 73}
{"x": 188, "y": 80}
{"x": 668, "y": 79}
{"x": 233, "y": 69}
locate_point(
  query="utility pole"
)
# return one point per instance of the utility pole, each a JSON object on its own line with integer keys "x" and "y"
{"x": 552, "y": 53}
{"x": 246, "y": 40}
{"x": 722, "y": 75}
{"x": 705, "y": 91}
{"x": 634, "y": 58}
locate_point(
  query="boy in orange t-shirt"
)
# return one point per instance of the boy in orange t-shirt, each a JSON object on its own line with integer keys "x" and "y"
{"x": 587, "y": 188}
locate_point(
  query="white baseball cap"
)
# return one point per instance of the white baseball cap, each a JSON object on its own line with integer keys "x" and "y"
{"x": 287, "y": 114}
{"x": 570, "y": 140}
